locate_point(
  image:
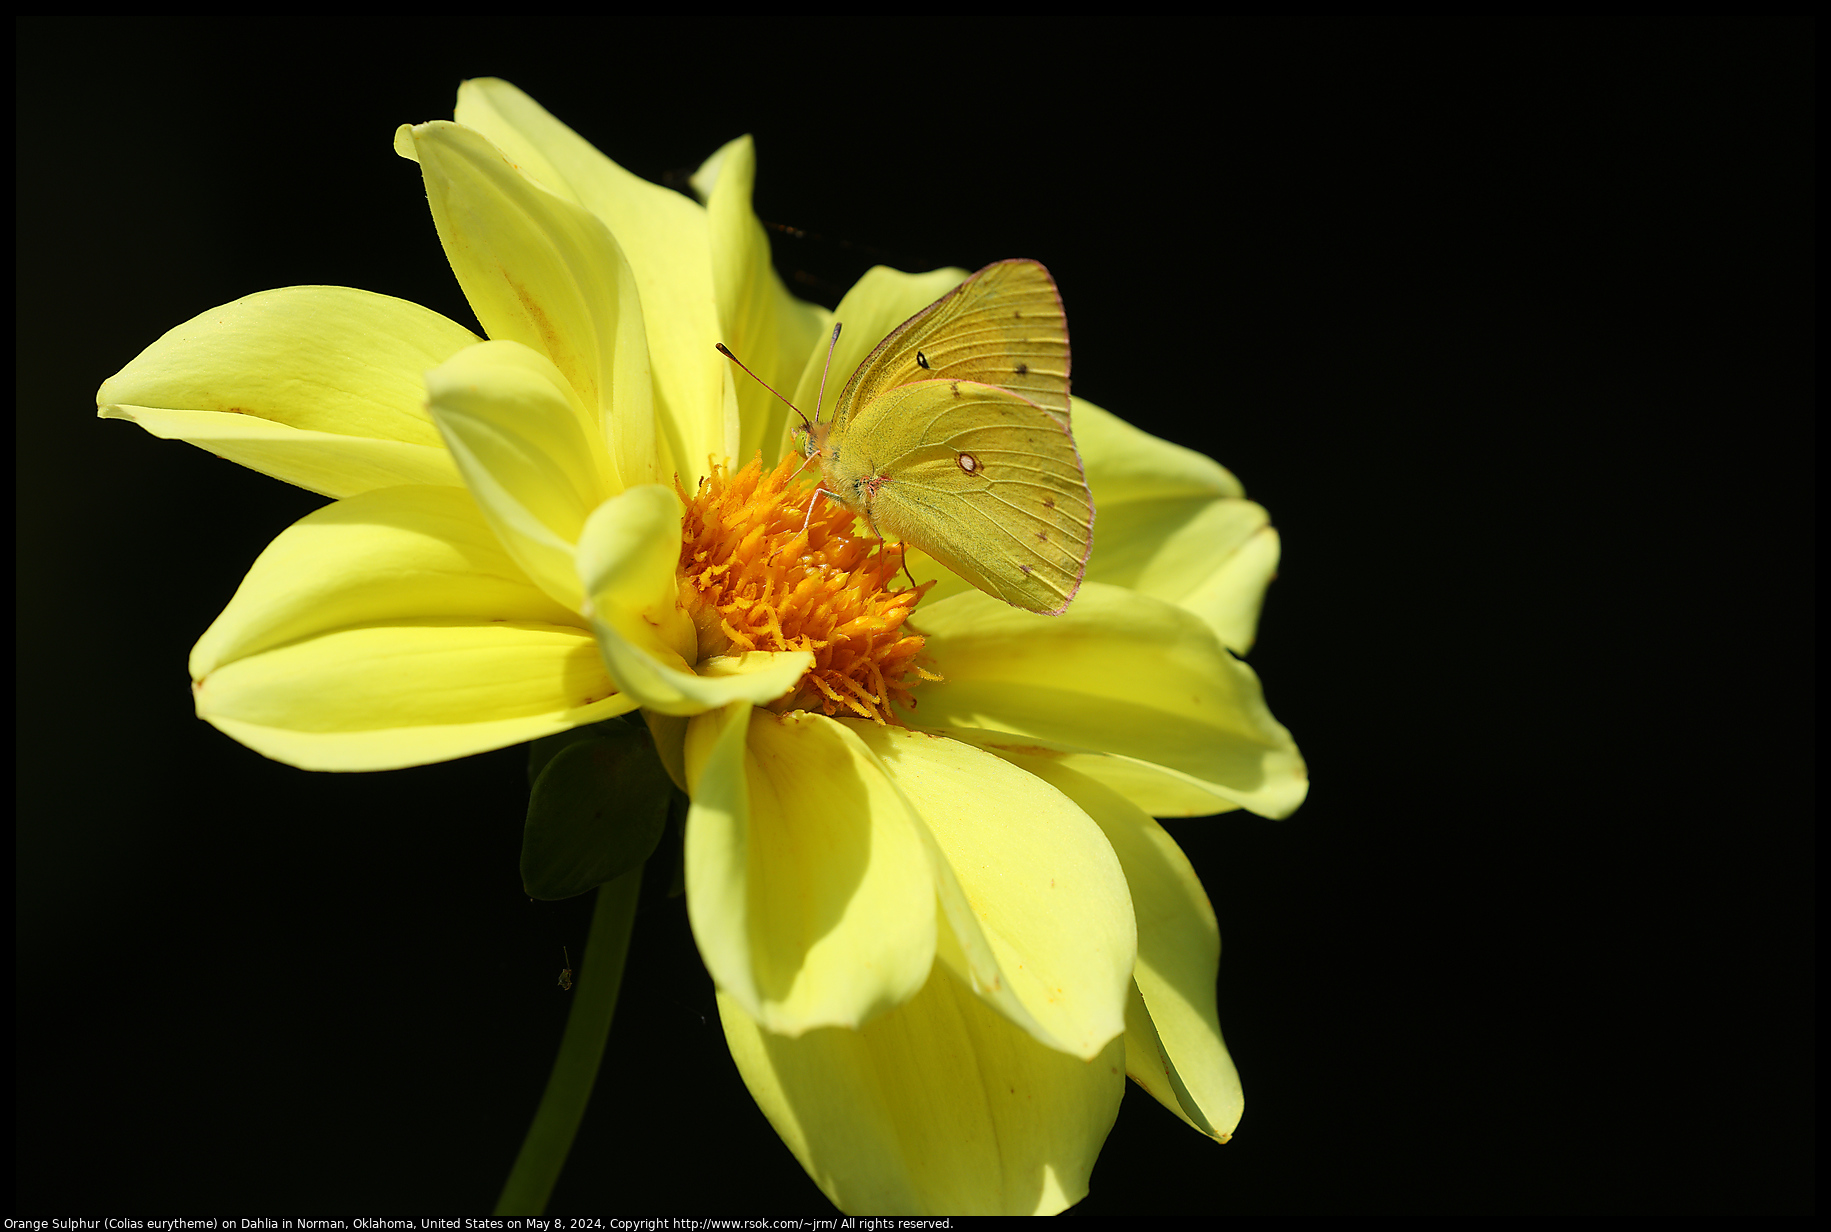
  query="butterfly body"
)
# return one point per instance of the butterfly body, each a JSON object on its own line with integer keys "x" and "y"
{"x": 953, "y": 435}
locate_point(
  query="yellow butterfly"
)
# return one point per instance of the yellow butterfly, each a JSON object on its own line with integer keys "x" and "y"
{"x": 953, "y": 435}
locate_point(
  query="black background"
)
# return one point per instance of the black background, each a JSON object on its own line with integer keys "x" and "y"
{"x": 1507, "y": 323}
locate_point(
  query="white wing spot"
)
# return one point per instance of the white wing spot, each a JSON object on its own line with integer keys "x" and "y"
{"x": 968, "y": 463}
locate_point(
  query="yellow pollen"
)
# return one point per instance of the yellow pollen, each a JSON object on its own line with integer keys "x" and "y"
{"x": 757, "y": 573}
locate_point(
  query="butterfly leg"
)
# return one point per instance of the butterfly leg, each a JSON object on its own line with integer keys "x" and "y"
{"x": 811, "y": 502}
{"x": 881, "y": 544}
{"x": 808, "y": 520}
{"x": 818, "y": 493}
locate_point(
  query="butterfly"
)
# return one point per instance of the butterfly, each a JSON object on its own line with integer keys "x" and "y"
{"x": 953, "y": 435}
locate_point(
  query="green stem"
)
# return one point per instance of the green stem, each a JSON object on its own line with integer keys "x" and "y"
{"x": 549, "y": 1140}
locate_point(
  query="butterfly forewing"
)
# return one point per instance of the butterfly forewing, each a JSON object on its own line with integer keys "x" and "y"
{"x": 985, "y": 481}
{"x": 1003, "y": 326}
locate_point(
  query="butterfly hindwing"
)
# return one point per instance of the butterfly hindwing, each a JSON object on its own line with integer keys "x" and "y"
{"x": 1003, "y": 326}
{"x": 986, "y": 481}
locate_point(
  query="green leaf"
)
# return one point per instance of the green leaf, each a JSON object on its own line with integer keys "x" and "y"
{"x": 544, "y": 750}
{"x": 597, "y": 810}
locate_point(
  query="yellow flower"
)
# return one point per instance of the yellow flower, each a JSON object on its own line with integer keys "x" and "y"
{"x": 921, "y": 866}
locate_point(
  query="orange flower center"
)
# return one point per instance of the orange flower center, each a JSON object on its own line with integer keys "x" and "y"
{"x": 757, "y": 572}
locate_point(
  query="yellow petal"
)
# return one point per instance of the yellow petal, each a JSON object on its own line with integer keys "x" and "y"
{"x": 1211, "y": 556}
{"x": 663, "y": 235}
{"x": 1040, "y": 879}
{"x": 1126, "y": 463}
{"x": 1119, "y": 672}
{"x": 318, "y": 386}
{"x": 1231, "y": 596}
{"x": 1157, "y": 790}
{"x": 807, "y": 884}
{"x": 390, "y": 630}
{"x": 942, "y": 1107}
{"x": 382, "y": 697}
{"x": 1173, "y": 1039}
{"x": 529, "y": 453}
{"x": 392, "y": 557}
{"x": 765, "y": 326}
{"x": 1172, "y": 525}
{"x": 626, "y": 558}
{"x": 544, "y": 272}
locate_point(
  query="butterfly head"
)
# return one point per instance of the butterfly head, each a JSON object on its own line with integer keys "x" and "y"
{"x": 810, "y": 439}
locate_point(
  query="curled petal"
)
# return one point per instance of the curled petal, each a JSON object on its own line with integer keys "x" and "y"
{"x": 1233, "y": 588}
{"x": 529, "y": 453}
{"x": 663, "y": 236}
{"x": 318, "y": 386}
{"x": 541, "y": 271}
{"x": 1158, "y": 790}
{"x": 1213, "y": 557}
{"x": 942, "y": 1107}
{"x": 807, "y": 883}
{"x": 765, "y": 326}
{"x": 626, "y": 561}
{"x": 1230, "y": 596}
{"x": 1173, "y": 1045}
{"x": 1174, "y": 525}
{"x": 1039, "y": 879}
{"x": 1119, "y": 672}
{"x": 1127, "y": 464}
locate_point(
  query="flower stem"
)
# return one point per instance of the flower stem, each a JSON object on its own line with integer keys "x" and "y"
{"x": 549, "y": 1141}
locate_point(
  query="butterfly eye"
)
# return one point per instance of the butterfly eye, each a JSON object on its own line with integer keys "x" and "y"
{"x": 968, "y": 463}
{"x": 922, "y": 361}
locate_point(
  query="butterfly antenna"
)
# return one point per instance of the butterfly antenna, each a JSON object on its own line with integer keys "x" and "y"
{"x": 766, "y": 385}
{"x": 829, "y": 365}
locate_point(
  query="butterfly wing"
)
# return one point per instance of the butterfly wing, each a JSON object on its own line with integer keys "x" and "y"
{"x": 1003, "y": 326}
{"x": 986, "y": 482}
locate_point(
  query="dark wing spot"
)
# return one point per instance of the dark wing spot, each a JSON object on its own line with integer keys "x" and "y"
{"x": 1049, "y": 502}
{"x": 922, "y": 361}
{"x": 956, "y": 388}
{"x": 1025, "y": 568}
{"x": 1022, "y": 368}
{"x": 1043, "y": 536}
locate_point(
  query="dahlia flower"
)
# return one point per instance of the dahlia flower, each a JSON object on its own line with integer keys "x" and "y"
{"x": 921, "y": 861}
